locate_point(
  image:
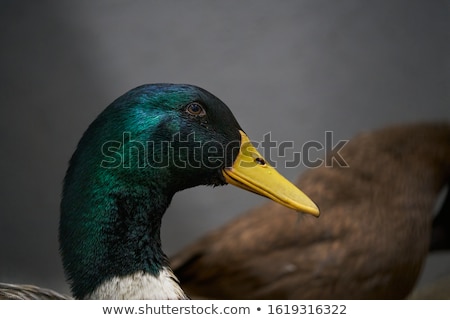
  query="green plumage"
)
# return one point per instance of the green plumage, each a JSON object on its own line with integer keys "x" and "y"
{"x": 133, "y": 158}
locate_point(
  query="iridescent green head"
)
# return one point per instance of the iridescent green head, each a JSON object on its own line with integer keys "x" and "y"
{"x": 148, "y": 144}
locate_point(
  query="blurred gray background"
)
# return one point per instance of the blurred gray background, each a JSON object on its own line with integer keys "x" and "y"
{"x": 295, "y": 68}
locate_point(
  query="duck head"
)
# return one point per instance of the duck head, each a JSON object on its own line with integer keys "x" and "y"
{"x": 150, "y": 143}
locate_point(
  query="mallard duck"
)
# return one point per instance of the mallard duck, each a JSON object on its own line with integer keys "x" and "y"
{"x": 150, "y": 143}
{"x": 370, "y": 241}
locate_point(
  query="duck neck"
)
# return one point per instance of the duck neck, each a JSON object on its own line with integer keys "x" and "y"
{"x": 111, "y": 246}
{"x": 139, "y": 286}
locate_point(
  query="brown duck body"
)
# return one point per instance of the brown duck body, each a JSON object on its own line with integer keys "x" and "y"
{"x": 370, "y": 241}
{"x": 28, "y": 292}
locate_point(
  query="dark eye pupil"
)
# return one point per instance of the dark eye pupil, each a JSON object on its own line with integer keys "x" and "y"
{"x": 195, "y": 109}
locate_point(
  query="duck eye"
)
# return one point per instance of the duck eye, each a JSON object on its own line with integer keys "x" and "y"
{"x": 195, "y": 109}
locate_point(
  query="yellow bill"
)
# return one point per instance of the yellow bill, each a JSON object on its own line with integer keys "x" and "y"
{"x": 251, "y": 172}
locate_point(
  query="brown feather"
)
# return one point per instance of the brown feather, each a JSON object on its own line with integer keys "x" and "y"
{"x": 370, "y": 241}
{"x": 28, "y": 292}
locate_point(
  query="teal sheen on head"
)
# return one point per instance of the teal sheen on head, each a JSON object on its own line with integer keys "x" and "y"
{"x": 148, "y": 144}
